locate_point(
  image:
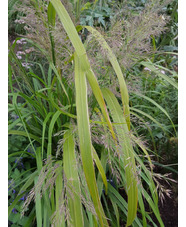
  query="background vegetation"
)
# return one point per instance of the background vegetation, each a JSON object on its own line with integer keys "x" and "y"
{"x": 92, "y": 112}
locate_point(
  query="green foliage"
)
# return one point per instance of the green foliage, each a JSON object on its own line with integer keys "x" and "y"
{"x": 15, "y": 25}
{"x": 75, "y": 134}
{"x": 96, "y": 15}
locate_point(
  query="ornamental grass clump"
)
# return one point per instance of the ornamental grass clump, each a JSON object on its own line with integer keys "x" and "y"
{"x": 86, "y": 163}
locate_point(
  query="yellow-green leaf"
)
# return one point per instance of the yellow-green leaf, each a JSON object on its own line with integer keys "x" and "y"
{"x": 127, "y": 153}
{"x": 71, "y": 174}
{"x": 85, "y": 139}
{"x": 117, "y": 69}
{"x": 100, "y": 168}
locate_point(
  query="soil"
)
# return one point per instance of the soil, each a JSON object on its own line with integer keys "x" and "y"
{"x": 169, "y": 208}
{"x": 169, "y": 212}
{"x": 11, "y": 37}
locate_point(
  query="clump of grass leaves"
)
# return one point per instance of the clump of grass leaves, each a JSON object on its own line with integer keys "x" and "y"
{"x": 70, "y": 185}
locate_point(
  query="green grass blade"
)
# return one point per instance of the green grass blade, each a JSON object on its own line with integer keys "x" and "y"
{"x": 38, "y": 205}
{"x": 153, "y": 206}
{"x": 50, "y": 132}
{"x": 22, "y": 175}
{"x": 148, "y": 128}
{"x": 150, "y": 117}
{"x": 127, "y": 151}
{"x": 61, "y": 110}
{"x": 34, "y": 103}
{"x": 116, "y": 211}
{"x": 159, "y": 107}
{"x": 60, "y": 81}
{"x": 141, "y": 204}
{"x": 39, "y": 159}
{"x": 23, "y": 133}
{"x": 14, "y": 101}
{"x": 117, "y": 69}
{"x": 71, "y": 173}
{"x": 38, "y": 78}
{"x": 99, "y": 177}
{"x": 86, "y": 222}
{"x": 30, "y": 219}
{"x": 143, "y": 149}
{"x": 85, "y": 139}
{"x": 120, "y": 201}
{"x": 99, "y": 97}
{"x": 51, "y": 21}
{"x": 43, "y": 133}
{"x": 20, "y": 153}
{"x": 47, "y": 210}
{"x": 100, "y": 168}
{"x": 60, "y": 219}
{"x": 10, "y": 77}
{"x": 107, "y": 210}
{"x": 152, "y": 67}
{"x": 13, "y": 124}
{"x": 146, "y": 175}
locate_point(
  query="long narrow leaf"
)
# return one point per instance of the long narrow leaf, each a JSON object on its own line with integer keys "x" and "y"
{"x": 159, "y": 107}
{"x": 151, "y": 66}
{"x": 23, "y": 133}
{"x": 85, "y": 139}
{"x": 38, "y": 205}
{"x": 71, "y": 173}
{"x": 60, "y": 219}
{"x": 50, "y": 132}
{"x": 117, "y": 69}
{"x": 128, "y": 153}
{"x": 150, "y": 117}
{"x": 100, "y": 168}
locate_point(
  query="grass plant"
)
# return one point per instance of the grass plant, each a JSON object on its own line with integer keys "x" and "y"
{"x": 89, "y": 168}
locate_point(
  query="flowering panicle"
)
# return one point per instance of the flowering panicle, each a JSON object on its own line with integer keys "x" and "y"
{"x": 40, "y": 32}
{"x": 130, "y": 37}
